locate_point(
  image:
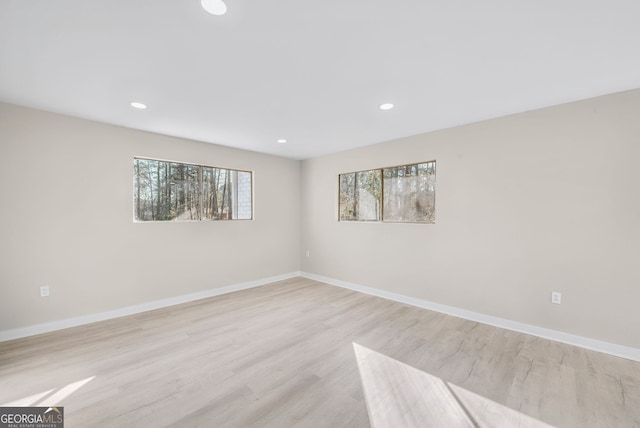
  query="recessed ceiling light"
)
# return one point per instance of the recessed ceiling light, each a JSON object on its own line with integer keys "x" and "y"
{"x": 138, "y": 105}
{"x": 386, "y": 106}
{"x": 282, "y": 141}
{"x": 214, "y": 7}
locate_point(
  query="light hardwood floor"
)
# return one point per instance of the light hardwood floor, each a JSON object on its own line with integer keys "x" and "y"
{"x": 299, "y": 353}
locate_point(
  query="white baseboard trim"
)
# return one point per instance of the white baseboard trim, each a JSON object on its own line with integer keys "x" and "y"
{"x": 558, "y": 336}
{"x": 135, "y": 309}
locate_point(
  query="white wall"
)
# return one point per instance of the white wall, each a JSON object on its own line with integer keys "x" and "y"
{"x": 528, "y": 204}
{"x": 542, "y": 201}
{"x": 66, "y": 221}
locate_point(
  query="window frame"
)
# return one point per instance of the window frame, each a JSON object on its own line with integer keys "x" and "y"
{"x": 200, "y": 191}
{"x": 379, "y": 202}
{"x": 382, "y": 194}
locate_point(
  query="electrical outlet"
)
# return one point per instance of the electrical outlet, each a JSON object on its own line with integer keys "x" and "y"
{"x": 44, "y": 291}
{"x": 308, "y": 253}
{"x": 556, "y": 297}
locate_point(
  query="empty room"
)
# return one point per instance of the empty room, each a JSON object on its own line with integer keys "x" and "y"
{"x": 224, "y": 213}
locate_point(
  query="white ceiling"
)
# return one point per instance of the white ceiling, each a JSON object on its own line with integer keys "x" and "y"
{"x": 315, "y": 71}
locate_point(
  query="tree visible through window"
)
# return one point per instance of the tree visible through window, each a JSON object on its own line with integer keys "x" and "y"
{"x": 360, "y": 195}
{"x": 398, "y": 194}
{"x": 171, "y": 191}
{"x": 410, "y": 193}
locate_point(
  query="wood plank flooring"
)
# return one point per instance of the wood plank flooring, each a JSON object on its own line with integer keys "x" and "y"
{"x": 299, "y": 353}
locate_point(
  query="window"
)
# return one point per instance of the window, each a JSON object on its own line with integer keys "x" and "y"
{"x": 404, "y": 194}
{"x": 410, "y": 193}
{"x": 171, "y": 191}
{"x": 360, "y": 195}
